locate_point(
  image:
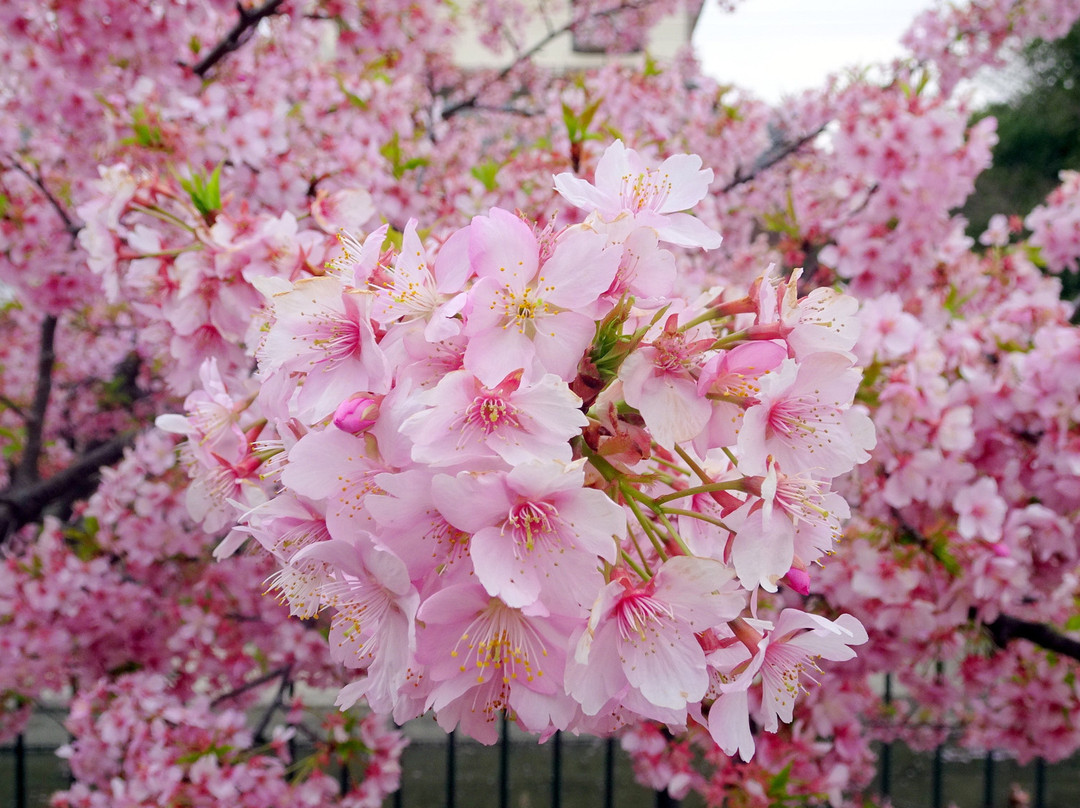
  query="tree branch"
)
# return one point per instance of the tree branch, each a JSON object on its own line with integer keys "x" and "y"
{"x": 260, "y": 731}
{"x": 22, "y": 504}
{"x": 1004, "y": 629}
{"x": 27, "y": 471}
{"x": 237, "y": 35}
{"x": 771, "y": 158}
{"x": 532, "y": 50}
{"x": 70, "y": 225}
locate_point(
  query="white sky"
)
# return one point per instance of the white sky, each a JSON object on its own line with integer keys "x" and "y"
{"x": 774, "y": 47}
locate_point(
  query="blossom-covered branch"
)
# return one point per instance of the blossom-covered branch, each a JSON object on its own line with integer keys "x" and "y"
{"x": 32, "y": 499}
{"x": 237, "y": 35}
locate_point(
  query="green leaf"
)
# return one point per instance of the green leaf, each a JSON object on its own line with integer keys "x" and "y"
{"x": 1073, "y": 623}
{"x": 391, "y": 150}
{"x": 777, "y": 788}
{"x": 941, "y": 552}
{"x": 650, "y": 66}
{"x": 205, "y": 193}
{"x": 577, "y": 125}
{"x": 146, "y": 134}
{"x": 351, "y": 97}
{"x": 487, "y": 173}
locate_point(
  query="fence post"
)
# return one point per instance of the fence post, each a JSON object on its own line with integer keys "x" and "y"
{"x": 1040, "y": 783}
{"x": 988, "y": 780}
{"x": 886, "y": 750}
{"x": 938, "y": 777}
{"x": 451, "y": 774}
{"x": 20, "y": 771}
{"x": 556, "y": 770}
{"x": 665, "y": 800}
{"x": 609, "y": 773}
{"x": 504, "y": 764}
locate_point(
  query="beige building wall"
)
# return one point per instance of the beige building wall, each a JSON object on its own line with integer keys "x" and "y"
{"x": 664, "y": 40}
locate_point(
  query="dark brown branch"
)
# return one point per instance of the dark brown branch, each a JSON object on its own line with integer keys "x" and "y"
{"x": 70, "y": 225}
{"x": 22, "y": 504}
{"x": 283, "y": 672}
{"x": 260, "y": 731}
{"x": 27, "y": 471}
{"x": 771, "y": 158}
{"x": 1004, "y": 629}
{"x": 237, "y": 35}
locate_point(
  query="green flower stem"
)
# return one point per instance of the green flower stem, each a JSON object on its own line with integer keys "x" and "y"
{"x": 698, "y": 470}
{"x": 672, "y": 532}
{"x": 729, "y": 485}
{"x": 711, "y": 314}
{"x": 650, "y": 531}
{"x": 675, "y": 467}
{"x": 712, "y": 520}
{"x": 171, "y": 253}
{"x": 643, "y": 571}
{"x": 727, "y": 341}
{"x": 731, "y": 456}
{"x": 608, "y": 471}
{"x": 164, "y": 215}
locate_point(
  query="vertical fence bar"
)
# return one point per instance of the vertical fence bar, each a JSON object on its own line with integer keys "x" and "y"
{"x": 886, "y": 750}
{"x": 665, "y": 800}
{"x": 938, "y": 774}
{"x": 937, "y": 782}
{"x": 609, "y": 773}
{"x": 20, "y": 771}
{"x": 556, "y": 770}
{"x": 451, "y": 770}
{"x": 988, "y": 780}
{"x": 504, "y": 764}
{"x": 1040, "y": 783}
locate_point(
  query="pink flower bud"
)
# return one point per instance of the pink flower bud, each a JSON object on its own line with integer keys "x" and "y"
{"x": 357, "y": 414}
{"x": 798, "y": 580}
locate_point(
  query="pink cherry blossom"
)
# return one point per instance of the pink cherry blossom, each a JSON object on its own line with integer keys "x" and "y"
{"x": 653, "y": 197}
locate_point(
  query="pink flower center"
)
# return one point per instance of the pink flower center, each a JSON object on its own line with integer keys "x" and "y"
{"x": 793, "y": 417}
{"x": 672, "y": 352}
{"x": 646, "y": 191}
{"x": 490, "y": 412}
{"x": 636, "y": 610}
{"x": 339, "y": 339}
{"x": 530, "y": 521}
{"x": 502, "y": 639}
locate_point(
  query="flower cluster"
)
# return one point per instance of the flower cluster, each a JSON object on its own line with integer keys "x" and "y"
{"x": 135, "y": 743}
{"x": 527, "y": 479}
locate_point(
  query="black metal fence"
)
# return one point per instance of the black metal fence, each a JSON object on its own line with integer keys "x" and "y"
{"x": 572, "y": 772}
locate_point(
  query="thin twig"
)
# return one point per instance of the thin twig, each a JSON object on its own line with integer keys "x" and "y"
{"x": 283, "y": 672}
{"x": 70, "y": 225}
{"x": 265, "y": 722}
{"x": 237, "y": 35}
{"x": 771, "y": 158}
{"x": 11, "y": 405}
{"x": 528, "y": 53}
